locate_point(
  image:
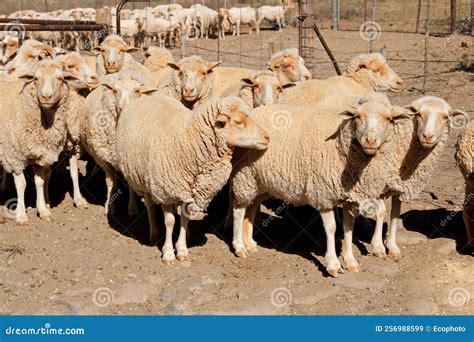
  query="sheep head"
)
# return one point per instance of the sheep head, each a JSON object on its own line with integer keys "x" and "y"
{"x": 75, "y": 64}
{"x": 29, "y": 55}
{"x": 373, "y": 70}
{"x": 113, "y": 50}
{"x": 193, "y": 73}
{"x": 434, "y": 116}
{"x": 289, "y": 66}
{"x": 266, "y": 88}
{"x": 240, "y": 129}
{"x": 50, "y": 80}
{"x": 372, "y": 115}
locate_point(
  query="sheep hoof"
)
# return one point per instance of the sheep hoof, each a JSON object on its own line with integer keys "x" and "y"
{"x": 168, "y": 257}
{"x": 353, "y": 269}
{"x": 81, "y": 203}
{"x": 379, "y": 252}
{"x": 182, "y": 255}
{"x": 242, "y": 253}
{"x": 335, "y": 273}
{"x": 394, "y": 252}
{"x": 168, "y": 262}
{"x": 252, "y": 249}
{"x": 46, "y": 217}
{"x": 22, "y": 220}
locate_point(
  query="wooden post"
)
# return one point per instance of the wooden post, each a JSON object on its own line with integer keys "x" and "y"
{"x": 427, "y": 38}
{"x": 472, "y": 18}
{"x": 418, "y": 15}
{"x": 453, "y": 16}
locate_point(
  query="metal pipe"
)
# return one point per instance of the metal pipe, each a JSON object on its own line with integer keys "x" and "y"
{"x": 117, "y": 17}
{"x": 96, "y": 27}
{"x": 328, "y": 50}
{"x": 45, "y": 21}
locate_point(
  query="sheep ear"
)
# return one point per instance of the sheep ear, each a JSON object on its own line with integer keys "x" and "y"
{"x": 410, "y": 110}
{"x": 174, "y": 66}
{"x": 247, "y": 82}
{"x": 147, "y": 90}
{"x": 109, "y": 84}
{"x": 454, "y": 113}
{"x": 96, "y": 50}
{"x": 147, "y": 54}
{"x": 27, "y": 77}
{"x": 348, "y": 114}
{"x": 67, "y": 77}
{"x": 400, "y": 113}
{"x": 222, "y": 120}
{"x": 458, "y": 118}
{"x": 288, "y": 85}
{"x": 211, "y": 66}
{"x": 131, "y": 49}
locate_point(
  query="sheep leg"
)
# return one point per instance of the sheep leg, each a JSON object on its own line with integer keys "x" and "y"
{"x": 393, "y": 249}
{"x": 46, "y": 186}
{"x": 168, "y": 251}
{"x": 150, "y": 208}
{"x": 348, "y": 254}
{"x": 78, "y": 200}
{"x": 20, "y": 212}
{"x": 333, "y": 266}
{"x": 378, "y": 248}
{"x": 132, "y": 203}
{"x": 110, "y": 182}
{"x": 249, "y": 220}
{"x": 238, "y": 238}
{"x": 40, "y": 176}
{"x": 181, "y": 246}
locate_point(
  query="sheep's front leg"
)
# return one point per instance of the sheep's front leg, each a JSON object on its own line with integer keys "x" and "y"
{"x": 150, "y": 207}
{"x": 378, "y": 248}
{"x": 47, "y": 177}
{"x": 348, "y": 254}
{"x": 110, "y": 182}
{"x": 393, "y": 249}
{"x": 40, "y": 177}
{"x": 333, "y": 266}
{"x": 78, "y": 200}
{"x": 181, "y": 245}
{"x": 249, "y": 220}
{"x": 132, "y": 203}
{"x": 168, "y": 251}
{"x": 238, "y": 238}
{"x": 20, "y": 211}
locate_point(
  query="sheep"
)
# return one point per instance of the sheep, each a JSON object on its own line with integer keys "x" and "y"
{"x": 156, "y": 61}
{"x": 192, "y": 81}
{"x": 33, "y": 129}
{"x": 272, "y": 14}
{"x": 289, "y": 66}
{"x": 325, "y": 163}
{"x": 464, "y": 157}
{"x": 226, "y": 77}
{"x": 246, "y": 16}
{"x": 366, "y": 72}
{"x": 114, "y": 55}
{"x": 260, "y": 89}
{"x": 181, "y": 157}
{"x": 101, "y": 111}
{"x": 9, "y": 46}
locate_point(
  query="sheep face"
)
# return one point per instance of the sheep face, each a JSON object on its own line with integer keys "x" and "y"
{"x": 375, "y": 69}
{"x": 372, "y": 119}
{"x": 113, "y": 53}
{"x": 241, "y": 129}
{"x": 75, "y": 65}
{"x": 193, "y": 74}
{"x": 433, "y": 116}
{"x": 29, "y": 55}
{"x": 10, "y": 46}
{"x": 127, "y": 90}
{"x": 266, "y": 88}
{"x": 290, "y": 68}
{"x": 49, "y": 79}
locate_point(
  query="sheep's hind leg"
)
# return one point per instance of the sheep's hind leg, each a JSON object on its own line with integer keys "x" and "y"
{"x": 378, "y": 248}
{"x": 110, "y": 182}
{"x": 40, "y": 181}
{"x": 168, "y": 251}
{"x": 132, "y": 203}
{"x": 150, "y": 207}
{"x": 181, "y": 245}
{"x": 393, "y": 249}
{"x": 78, "y": 200}
{"x": 238, "y": 240}
{"x": 20, "y": 211}
{"x": 333, "y": 266}
{"x": 348, "y": 254}
{"x": 249, "y": 221}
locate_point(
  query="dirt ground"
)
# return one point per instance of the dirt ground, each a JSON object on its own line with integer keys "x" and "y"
{"x": 86, "y": 263}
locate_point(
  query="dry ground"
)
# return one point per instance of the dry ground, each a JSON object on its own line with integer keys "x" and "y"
{"x": 85, "y": 263}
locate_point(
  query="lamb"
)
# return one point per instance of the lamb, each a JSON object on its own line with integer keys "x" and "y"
{"x": 289, "y": 66}
{"x": 156, "y": 61}
{"x": 114, "y": 55}
{"x": 260, "y": 89}
{"x": 33, "y": 129}
{"x": 190, "y": 163}
{"x": 464, "y": 155}
{"x": 192, "y": 82}
{"x": 346, "y": 168}
{"x": 101, "y": 111}
{"x": 366, "y": 72}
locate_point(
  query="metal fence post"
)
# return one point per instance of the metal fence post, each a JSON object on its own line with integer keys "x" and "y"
{"x": 335, "y": 19}
{"x": 374, "y": 17}
{"x": 453, "y": 16}
{"x": 427, "y": 38}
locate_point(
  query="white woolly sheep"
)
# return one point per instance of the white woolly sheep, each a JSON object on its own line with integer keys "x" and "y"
{"x": 156, "y": 61}
{"x": 226, "y": 77}
{"x": 180, "y": 157}
{"x": 347, "y": 167}
{"x": 33, "y": 129}
{"x": 289, "y": 66}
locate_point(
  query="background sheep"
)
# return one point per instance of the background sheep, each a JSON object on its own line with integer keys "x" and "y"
{"x": 289, "y": 66}
{"x": 156, "y": 61}
{"x": 322, "y": 165}
{"x": 180, "y": 157}
{"x": 464, "y": 155}
{"x": 34, "y": 129}
{"x": 226, "y": 77}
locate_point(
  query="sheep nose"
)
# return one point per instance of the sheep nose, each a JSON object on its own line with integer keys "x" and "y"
{"x": 46, "y": 97}
{"x": 188, "y": 90}
{"x": 370, "y": 141}
{"x": 428, "y": 136}
{"x": 111, "y": 64}
{"x": 307, "y": 77}
{"x": 93, "y": 78}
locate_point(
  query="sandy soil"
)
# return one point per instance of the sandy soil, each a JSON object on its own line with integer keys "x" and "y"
{"x": 86, "y": 263}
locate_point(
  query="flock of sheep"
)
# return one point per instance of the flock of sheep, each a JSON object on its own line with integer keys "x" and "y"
{"x": 163, "y": 24}
{"x": 178, "y": 131}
